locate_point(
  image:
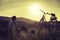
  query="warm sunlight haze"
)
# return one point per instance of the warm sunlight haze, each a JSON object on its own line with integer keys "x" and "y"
{"x": 34, "y": 9}
{"x": 29, "y": 8}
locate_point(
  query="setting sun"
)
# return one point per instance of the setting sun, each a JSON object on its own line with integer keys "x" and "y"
{"x": 34, "y": 9}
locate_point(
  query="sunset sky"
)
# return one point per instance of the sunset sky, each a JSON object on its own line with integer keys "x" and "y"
{"x": 29, "y": 8}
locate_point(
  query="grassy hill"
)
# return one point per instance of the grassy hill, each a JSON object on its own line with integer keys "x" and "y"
{"x": 26, "y": 29}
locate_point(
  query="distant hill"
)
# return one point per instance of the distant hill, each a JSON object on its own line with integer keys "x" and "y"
{"x": 26, "y": 20}
{"x": 4, "y": 18}
{"x": 18, "y": 19}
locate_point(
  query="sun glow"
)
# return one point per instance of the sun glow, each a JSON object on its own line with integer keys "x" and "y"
{"x": 35, "y": 9}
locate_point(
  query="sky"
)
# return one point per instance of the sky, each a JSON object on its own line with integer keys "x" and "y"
{"x": 29, "y": 8}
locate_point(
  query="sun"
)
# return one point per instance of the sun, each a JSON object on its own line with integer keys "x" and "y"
{"x": 34, "y": 9}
